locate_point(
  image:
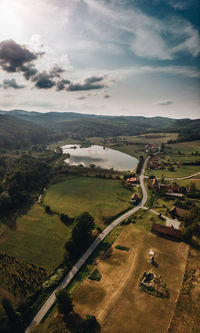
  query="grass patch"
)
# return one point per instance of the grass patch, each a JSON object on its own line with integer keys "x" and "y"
{"x": 95, "y": 275}
{"x": 96, "y": 295}
{"x": 101, "y": 198}
{"x": 183, "y": 171}
{"x": 39, "y": 238}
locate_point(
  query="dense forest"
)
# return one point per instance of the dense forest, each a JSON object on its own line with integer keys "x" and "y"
{"x": 16, "y": 133}
{"x": 24, "y": 177}
{"x": 19, "y": 128}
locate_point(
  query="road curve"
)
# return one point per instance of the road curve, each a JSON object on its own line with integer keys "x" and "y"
{"x": 50, "y": 301}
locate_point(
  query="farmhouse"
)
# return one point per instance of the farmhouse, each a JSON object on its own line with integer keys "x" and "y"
{"x": 133, "y": 181}
{"x": 155, "y": 163}
{"x": 160, "y": 229}
{"x": 155, "y": 182}
{"x": 173, "y": 188}
{"x": 178, "y": 212}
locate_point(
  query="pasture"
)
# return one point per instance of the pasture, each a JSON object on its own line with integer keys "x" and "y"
{"x": 39, "y": 238}
{"x": 102, "y": 198}
{"x": 177, "y": 154}
{"x": 116, "y": 300}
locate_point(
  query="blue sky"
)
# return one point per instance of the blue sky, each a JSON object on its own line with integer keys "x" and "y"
{"x": 113, "y": 57}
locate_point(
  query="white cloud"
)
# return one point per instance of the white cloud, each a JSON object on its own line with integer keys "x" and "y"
{"x": 147, "y": 36}
{"x": 179, "y": 4}
{"x": 164, "y": 103}
{"x": 149, "y": 44}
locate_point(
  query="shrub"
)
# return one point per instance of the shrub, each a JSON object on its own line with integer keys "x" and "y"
{"x": 122, "y": 248}
{"x": 95, "y": 275}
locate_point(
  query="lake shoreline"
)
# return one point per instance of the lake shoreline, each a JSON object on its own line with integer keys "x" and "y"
{"x": 99, "y": 157}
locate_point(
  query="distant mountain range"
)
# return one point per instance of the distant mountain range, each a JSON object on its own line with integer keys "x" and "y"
{"x": 23, "y": 127}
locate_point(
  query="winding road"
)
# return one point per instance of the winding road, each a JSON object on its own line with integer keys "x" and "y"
{"x": 50, "y": 301}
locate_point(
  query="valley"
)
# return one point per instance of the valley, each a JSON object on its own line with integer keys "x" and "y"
{"x": 38, "y": 234}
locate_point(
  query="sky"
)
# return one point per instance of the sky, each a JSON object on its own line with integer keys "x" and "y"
{"x": 109, "y": 57}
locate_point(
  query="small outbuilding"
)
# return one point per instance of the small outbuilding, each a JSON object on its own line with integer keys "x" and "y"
{"x": 134, "y": 198}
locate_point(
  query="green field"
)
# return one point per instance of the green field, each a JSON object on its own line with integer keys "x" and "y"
{"x": 133, "y": 145}
{"x": 186, "y": 148}
{"x": 102, "y": 198}
{"x": 183, "y": 171}
{"x": 39, "y": 238}
{"x": 176, "y": 154}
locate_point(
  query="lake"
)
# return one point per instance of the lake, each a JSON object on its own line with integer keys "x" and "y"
{"x": 102, "y": 157}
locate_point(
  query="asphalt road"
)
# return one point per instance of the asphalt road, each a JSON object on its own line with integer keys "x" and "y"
{"x": 50, "y": 301}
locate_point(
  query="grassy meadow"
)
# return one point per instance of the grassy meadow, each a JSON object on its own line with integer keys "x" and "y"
{"x": 39, "y": 238}
{"x": 102, "y": 198}
{"x": 177, "y": 154}
{"x": 133, "y": 145}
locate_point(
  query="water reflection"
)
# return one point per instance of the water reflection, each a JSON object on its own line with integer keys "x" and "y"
{"x": 102, "y": 157}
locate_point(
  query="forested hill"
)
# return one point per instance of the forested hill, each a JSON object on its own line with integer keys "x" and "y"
{"x": 84, "y": 125}
{"x": 17, "y": 133}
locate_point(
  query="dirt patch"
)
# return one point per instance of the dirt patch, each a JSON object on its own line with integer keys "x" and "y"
{"x": 115, "y": 268}
{"x": 96, "y": 292}
{"x": 186, "y": 316}
{"x": 137, "y": 312}
{"x": 116, "y": 258}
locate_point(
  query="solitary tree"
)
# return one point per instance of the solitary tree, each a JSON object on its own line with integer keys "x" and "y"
{"x": 64, "y": 302}
{"x": 48, "y": 209}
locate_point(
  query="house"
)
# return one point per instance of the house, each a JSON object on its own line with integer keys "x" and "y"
{"x": 132, "y": 181}
{"x": 134, "y": 198}
{"x": 179, "y": 212}
{"x": 155, "y": 183}
{"x": 155, "y": 163}
{"x": 160, "y": 229}
{"x": 173, "y": 188}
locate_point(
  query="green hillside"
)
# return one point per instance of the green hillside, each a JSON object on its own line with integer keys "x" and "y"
{"x": 17, "y": 133}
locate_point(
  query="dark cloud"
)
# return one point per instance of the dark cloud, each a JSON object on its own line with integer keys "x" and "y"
{"x": 61, "y": 84}
{"x": 56, "y": 71}
{"x": 43, "y": 80}
{"x": 94, "y": 79}
{"x": 14, "y": 57}
{"x": 29, "y": 71}
{"x": 11, "y": 84}
{"x": 164, "y": 103}
{"x": 18, "y": 58}
{"x": 89, "y": 84}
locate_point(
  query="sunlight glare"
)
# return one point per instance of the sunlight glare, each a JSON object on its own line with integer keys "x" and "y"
{"x": 10, "y": 23}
